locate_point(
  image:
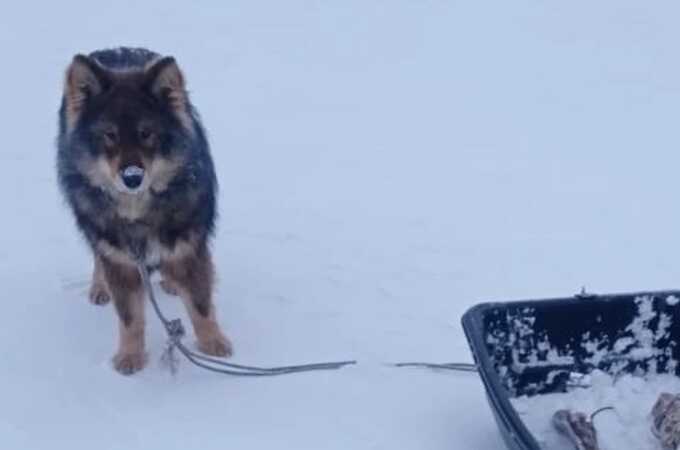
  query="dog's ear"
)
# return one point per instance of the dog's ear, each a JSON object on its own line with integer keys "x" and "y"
{"x": 85, "y": 78}
{"x": 165, "y": 81}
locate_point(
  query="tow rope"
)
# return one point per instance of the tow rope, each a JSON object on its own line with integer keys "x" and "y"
{"x": 175, "y": 331}
{"x": 457, "y": 367}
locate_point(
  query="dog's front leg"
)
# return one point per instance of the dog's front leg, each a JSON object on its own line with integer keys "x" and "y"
{"x": 191, "y": 276}
{"x": 126, "y": 288}
{"x": 99, "y": 292}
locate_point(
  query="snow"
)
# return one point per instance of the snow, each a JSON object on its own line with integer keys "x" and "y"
{"x": 627, "y": 427}
{"x": 131, "y": 171}
{"x": 383, "y": 167}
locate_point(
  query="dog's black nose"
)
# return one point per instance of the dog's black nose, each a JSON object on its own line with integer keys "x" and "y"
{"x": 132, "y": 176}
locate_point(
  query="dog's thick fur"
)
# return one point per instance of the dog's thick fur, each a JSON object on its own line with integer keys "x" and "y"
{"x": 129, "y": 108}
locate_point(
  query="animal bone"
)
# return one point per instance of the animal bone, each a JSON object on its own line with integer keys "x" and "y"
{"x": 577, "y": 427}
{"x": 666, "y": 420}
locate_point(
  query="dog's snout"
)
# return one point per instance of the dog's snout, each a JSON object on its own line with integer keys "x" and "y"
{"x": 132, "y": 176}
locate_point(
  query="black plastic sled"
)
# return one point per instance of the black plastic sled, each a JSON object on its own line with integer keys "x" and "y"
{"x": 541, "y": 346}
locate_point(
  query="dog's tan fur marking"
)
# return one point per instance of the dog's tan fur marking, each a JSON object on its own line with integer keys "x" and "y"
{"x": 80, "y": 83}
{"x": 103, "y": 172}
{"x": 188, "y": 272}
{"x": 132, "y": 206}
{"x": 162, "y": 171}
{"x": 97, "y": 170}
{"x": 168, "y": 288}
{"x": 99, "y": 291}
{"x": 169, "y": 84}
{"x": 113, "y": 254}
{"x": 191, "y": 275}
{"x": 128, "y": 296}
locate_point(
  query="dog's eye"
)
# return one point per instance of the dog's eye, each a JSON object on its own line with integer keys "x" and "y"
{"x": 145, "y": 134}
{"x": 110, "y": 137}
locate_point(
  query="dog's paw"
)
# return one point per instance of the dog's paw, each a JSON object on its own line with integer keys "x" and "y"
{"x": 217, "y": 345}
{"x": 99, "y": 295}
{"x": 129, "y": 363}
{"x": 168, "y": 288}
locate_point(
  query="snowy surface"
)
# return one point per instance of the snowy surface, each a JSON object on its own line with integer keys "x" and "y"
{"x": 383, "y": 167}
{"x": 627, "y": 427}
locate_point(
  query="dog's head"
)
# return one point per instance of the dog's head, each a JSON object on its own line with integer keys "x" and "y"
{"x": 130, "y": 124}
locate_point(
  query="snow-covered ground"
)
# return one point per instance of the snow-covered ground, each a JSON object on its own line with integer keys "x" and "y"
{"x": 383, "y": 166}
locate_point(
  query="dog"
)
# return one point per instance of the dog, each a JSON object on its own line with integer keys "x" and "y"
{"x": 134, "y": 166}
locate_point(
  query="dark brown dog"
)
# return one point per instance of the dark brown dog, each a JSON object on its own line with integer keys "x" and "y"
{"x": 135, "y": 167}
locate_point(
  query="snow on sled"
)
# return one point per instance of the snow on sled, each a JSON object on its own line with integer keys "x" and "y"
{"x": 591, "y": 372}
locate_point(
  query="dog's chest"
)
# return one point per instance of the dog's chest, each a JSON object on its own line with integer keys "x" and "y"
{"x": 152, "y": 255}
{"x": 135, "y": 246}
{"x": 133, "y": 207}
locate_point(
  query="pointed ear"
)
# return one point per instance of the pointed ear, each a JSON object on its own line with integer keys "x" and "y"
{"x": 165, "y": 82}
{"x": 85, "y": 78}
{"x": 164, "y": 78}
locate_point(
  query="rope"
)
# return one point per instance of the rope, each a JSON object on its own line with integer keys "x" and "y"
{"x": 458, "y": 367}
{"x": 176, "y": 332}
{"x": 598, "y": 411}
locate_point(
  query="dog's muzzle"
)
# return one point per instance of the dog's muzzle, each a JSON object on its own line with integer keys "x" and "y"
{"x": 132, "y": 176}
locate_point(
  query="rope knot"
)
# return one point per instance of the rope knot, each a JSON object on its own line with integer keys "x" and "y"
{"x": 175, "y": 330}
{"x": 175, "y": 333}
